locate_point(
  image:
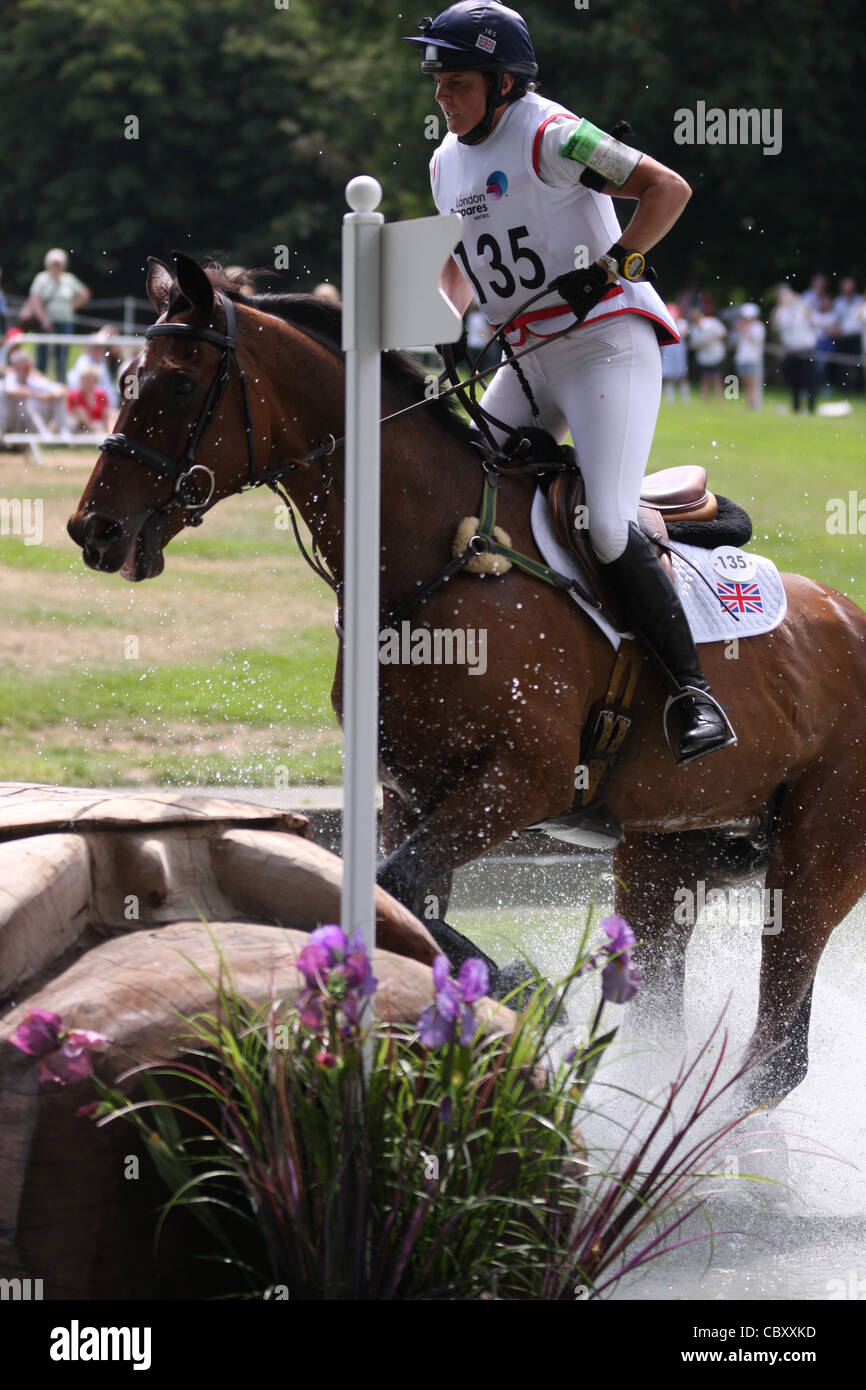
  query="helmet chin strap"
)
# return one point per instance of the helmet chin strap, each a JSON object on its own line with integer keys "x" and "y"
{"x": 495, "y": 99}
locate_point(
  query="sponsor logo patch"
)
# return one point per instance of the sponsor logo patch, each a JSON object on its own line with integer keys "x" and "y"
{"x": 497, "y": 184}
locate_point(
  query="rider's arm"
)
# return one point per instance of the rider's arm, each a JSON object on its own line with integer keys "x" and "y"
{"x": 661, "y": 195}
{"x": 456, "y": 286}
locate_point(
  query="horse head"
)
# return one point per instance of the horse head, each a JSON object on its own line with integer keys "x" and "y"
{"x": 191, "y": 430}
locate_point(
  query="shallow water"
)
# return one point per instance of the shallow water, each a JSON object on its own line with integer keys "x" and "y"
{"x": 800, "y": 1233}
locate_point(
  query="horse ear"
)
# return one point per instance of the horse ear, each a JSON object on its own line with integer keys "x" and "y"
{"x": 194, "y": 283}
{"x": 160, "y": 283}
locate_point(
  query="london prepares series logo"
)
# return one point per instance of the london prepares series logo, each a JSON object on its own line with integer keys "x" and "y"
{"x": 497, "y": 185}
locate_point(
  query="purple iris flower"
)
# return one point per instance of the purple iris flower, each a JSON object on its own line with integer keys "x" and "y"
{"x": 620, "y": 933}
{"x": 64, "y": 1054}
{"x": 310, "y": 1006}
{"x": 619, "y": 978}
{"x": 334, "y": 965}
{"x": 72, "y": 1061}
{"x": 452, "y": 1015}
{"x": 313, "y": 963}
{"x": 38, "y": 1033}
{"x": 332, "y": 939}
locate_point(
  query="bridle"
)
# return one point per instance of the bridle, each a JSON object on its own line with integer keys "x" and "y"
{"x": 181, "y": 472}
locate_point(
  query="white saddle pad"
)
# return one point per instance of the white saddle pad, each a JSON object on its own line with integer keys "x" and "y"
{"x": 743, "y": 595}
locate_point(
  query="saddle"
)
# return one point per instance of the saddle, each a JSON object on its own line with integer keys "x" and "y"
{"x": 675, "y": 505}
{"x": 667, "y": 497}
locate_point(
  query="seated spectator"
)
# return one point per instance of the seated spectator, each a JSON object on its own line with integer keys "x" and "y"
{"x": 749, "y": 354}
{"x": 31, "y": 403}
{"x": 56, "y": 294}
{"x": 708, "y": 335}
{"x": 104, "y": 361}
{"x": 87, "y": 405}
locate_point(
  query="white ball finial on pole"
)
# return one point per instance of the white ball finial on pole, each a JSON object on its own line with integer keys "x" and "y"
{"x": 391, "y": 298}
{"x": 362, "y": 312}
{"x": 363, "y": 194}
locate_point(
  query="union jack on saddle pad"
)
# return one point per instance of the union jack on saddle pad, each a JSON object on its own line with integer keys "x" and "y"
{"x": 741, "y": 598}
{"x": 726, "y": 592}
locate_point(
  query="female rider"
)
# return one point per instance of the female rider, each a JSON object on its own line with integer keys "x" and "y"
{"x": 534, "y": 183}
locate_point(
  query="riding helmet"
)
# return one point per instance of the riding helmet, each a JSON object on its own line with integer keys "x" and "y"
{"x": 479, "y": 38}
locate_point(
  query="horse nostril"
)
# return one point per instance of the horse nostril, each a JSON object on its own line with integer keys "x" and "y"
{"x": 101, "y": 529}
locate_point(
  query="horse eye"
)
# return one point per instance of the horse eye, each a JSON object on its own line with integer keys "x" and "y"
{"x": 182, "y": 388}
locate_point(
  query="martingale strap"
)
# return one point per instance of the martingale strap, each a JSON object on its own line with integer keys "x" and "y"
{"x": 484, "y": 541}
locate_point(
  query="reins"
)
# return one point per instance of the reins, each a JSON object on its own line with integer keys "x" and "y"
{"x": 181, "y": 472}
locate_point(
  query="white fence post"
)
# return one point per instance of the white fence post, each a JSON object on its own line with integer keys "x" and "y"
{"x": 391, "y": 298}
{"x": 361, "y": 336}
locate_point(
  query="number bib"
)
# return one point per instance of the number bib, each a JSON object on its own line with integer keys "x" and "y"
{"x": 519, "y": 233}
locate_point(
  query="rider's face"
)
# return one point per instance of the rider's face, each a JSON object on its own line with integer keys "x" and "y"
{"x": 463, "y": 98}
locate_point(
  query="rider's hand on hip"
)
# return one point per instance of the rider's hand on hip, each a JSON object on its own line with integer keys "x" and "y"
{"x": 583, "y": 289}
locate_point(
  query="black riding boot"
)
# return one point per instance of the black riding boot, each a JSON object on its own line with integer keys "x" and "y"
{"x": 653, "y": 609}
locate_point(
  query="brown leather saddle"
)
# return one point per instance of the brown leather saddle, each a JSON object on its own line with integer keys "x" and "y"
{"x": 672, "y": 495}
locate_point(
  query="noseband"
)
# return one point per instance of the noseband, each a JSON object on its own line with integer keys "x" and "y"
{"x": 181, "y": 472}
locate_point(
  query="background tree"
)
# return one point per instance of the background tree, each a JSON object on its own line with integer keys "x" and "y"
{"x": 250, "y": 120}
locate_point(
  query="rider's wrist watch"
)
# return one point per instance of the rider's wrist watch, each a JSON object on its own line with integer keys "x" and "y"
{"x": 630, "y": 264}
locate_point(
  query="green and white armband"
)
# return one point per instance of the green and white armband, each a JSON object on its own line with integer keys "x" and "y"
{"x": 611, "y": 160}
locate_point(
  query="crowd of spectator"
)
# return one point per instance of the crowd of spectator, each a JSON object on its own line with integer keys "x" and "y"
{"x": 77, "y": 399}
{"x": 820, "y": 340}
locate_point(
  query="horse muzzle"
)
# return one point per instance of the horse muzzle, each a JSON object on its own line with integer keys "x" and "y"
{"x": 107, "y": 545}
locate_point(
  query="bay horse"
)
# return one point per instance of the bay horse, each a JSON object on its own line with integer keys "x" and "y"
{"x": 233, "y": 388}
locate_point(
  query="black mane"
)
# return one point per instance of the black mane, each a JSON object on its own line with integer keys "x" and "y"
{"x": 323, "y": 322}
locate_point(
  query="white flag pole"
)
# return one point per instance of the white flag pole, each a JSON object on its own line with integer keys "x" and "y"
{"x": 391, "y": 299}
{"x": 361, "y": 341}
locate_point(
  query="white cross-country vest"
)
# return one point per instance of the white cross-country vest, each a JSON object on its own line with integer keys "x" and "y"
{"x": 519, "y": 232}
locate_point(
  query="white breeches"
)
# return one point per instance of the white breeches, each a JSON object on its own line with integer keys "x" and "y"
{"x": 603, "y": 383}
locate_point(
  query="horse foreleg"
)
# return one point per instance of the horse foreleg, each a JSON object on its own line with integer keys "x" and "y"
{"x": 650, "y": 869}
{"x": 479, "y": 813}
{"x": 818, "y": 869}
{"x": 399, "y": 820}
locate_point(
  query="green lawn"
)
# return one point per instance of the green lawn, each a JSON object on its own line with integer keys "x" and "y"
{"x": 235, "y": 643}
{"x": 784, "y": 470}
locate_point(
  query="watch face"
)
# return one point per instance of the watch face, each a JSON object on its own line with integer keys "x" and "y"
{"x": 632, "y": 266}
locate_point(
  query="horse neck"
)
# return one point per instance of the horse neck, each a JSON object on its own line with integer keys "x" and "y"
{"x": 429, "y": 477}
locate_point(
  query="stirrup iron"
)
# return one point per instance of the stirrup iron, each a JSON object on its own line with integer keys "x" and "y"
{"x": 689, "y": 692}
